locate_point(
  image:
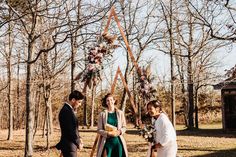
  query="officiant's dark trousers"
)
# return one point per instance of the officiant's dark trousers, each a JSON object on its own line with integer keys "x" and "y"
{"x": 69, "y": 154}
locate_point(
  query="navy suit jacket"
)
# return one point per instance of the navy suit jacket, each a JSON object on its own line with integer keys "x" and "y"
{"x": 70, "y": 138}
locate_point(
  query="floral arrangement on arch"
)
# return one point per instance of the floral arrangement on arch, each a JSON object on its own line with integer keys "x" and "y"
{"x": 102, "y": 49}
{"x": 146, "y": 89}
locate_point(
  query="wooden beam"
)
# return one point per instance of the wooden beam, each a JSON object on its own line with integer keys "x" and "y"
{"x": 109, "y": 20}
{"x": 126, "y": 42}
{"x": 115, "y": 80}
{"x": 118, "y": 72}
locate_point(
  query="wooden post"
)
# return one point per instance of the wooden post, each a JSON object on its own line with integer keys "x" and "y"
{"x": 109, "y": 20}
{"x": 94, "y": 145}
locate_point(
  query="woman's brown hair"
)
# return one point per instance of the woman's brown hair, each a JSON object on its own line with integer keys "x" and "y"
{"x": 104, "y": 99}
{"x": 155, "y": 104}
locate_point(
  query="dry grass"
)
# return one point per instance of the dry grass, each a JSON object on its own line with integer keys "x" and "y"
{"x": 209, "y": 141}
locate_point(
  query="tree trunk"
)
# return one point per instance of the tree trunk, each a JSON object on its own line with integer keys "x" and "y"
{"x": 169, "y": 21}
{"x": 18, "y": 119}
{"x": 173, "y": 98}
{"x": 29, "y": 105}
{"x": 92, "y": 105}
{"x": 37, "y": 111}
{"x": 48, "y": 127}
{"x": 196, "y": 108}
{"x": 190, "y": 96}
{"x": 50, "y": 117}
{"x": 45, "y": 123}
{"x": 48, "y": 124}
{"x": 73, "y": 49}
{"x": 184, "y": 104}
{"x": 9, "y": 95}
{"x": 180, "y": 63}
{"x": 85, "y": 120}
{"x": 172, "y": 66}
{"x": 47, "y": 101}
{"x": 124, "y": 95}
{"x": 10, "y": 105}
{"x": 190, "y": 76}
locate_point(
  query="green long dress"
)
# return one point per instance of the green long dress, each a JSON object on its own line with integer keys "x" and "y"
{"x": 113, "y": 145}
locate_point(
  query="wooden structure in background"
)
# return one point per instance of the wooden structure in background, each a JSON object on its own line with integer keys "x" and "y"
{"x": 228, "y": 101}
{"x": 228, "y": 97}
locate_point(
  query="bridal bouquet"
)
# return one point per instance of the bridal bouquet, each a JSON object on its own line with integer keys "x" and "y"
{"x": 148, "y": 133}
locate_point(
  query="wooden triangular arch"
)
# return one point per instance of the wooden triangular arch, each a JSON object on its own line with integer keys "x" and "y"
{"x": 118, "y": 72}
{"x": 113, "y": 14}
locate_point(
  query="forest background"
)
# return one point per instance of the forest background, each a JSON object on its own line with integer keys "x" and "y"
{"x": 45, "y": 50}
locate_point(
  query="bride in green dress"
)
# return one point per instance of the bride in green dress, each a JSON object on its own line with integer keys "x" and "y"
{"x": 111, "y": 127}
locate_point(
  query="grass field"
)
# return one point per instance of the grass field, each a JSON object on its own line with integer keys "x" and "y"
{"x": 208, "y": 141}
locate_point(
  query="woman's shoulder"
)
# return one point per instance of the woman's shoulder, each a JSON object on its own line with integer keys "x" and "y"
{"x": 164, "y": 116}
{"x": 103, "y": 112}
{"x": 119, "y": 111}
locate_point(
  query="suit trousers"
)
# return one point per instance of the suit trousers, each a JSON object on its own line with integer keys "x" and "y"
{"x": 69, "y": 153}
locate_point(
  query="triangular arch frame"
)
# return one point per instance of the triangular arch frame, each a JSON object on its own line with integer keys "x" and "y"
{"x": 118, "y": 72}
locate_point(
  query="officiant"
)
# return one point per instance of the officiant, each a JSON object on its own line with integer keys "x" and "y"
{"x": 111, "y": 142}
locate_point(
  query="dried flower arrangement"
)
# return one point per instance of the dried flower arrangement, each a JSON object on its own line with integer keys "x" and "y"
{"x": 146, "y": 89}
{"x": 102, "y": 49}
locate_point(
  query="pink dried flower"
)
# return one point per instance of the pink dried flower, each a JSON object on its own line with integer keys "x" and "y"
{"x": 91, "y": 67}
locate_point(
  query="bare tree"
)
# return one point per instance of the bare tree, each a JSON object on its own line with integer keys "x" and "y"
{"x": 197, "y": 48}
{"x": 209, "y": 13}
{"x": 186, "y": 39}
{"x": 9, "y": 77}
{"x": 6, "y": 51}
{"x": 27, "y": 15}
{"x": 168, "y": 17}
{"x": 204, "y": 72}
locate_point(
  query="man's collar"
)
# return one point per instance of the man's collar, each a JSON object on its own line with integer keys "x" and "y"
{"x": 69, "y": 105}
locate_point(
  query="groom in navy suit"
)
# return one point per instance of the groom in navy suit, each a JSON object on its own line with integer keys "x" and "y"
{"x": 70, "y": 139}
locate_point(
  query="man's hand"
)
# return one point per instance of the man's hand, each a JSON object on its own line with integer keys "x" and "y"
{"x": 81, "y": 145}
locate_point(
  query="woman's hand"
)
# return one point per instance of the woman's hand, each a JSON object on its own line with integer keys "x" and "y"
{"x": 155, "y": 146}
{"x": 114, "y": 133}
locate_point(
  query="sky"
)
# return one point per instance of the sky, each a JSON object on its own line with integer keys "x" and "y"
{"x": 228, "y": 60}
{"x": 161, "y": 65}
